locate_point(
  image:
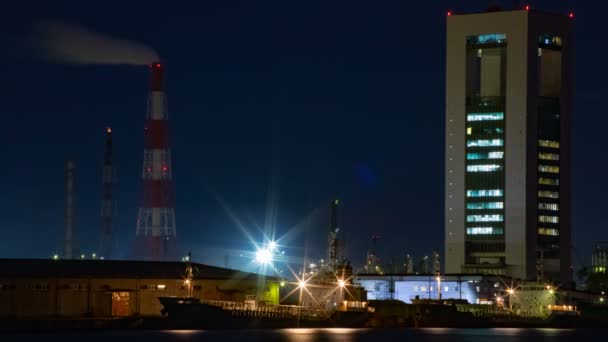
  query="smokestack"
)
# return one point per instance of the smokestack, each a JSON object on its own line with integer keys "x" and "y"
{"x": 334, "y": 215}
{"x": 70, "y": 174}
{"x": 107, "y": 243}
{"x": 156, "y": 83}
{"x": 332, "y": 248}
{"x": 155, "y": 233}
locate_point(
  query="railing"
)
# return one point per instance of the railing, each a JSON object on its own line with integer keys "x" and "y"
{"x": 244, "y": 309}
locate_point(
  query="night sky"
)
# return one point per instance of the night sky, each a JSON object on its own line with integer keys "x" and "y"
{"x": 276, "y": 108}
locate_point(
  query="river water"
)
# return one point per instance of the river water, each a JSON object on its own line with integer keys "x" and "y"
{"x": 331, "y": 334}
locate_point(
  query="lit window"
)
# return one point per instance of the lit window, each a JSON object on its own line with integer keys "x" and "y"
{"x": 485, "y": 155}
{"x": 484, "y": 218}
{"x": 548, "y": 156}
{"x": 548, "y": 181}
{"x": 485, "y": 205}
{"x": 484, "y": 193}
{"x": 160, "y": 287}
{"x": 483, "y": 168}
{"x": 548, "y": 39}
{"x": 548, "y": 231}
{"x": 548, "y": 206}
{"x": 485, "y": 116}
{"x": 491, "y": 38}
{"x": 548, "y": 219}
{"x": 548, "y": 194}
{"x": 548, "y": 143}
{"x": 484, "y": 231}
{"x": 469, "y": 130}
{"x": 548, "y": 168}
{"x": 485, "y": 143}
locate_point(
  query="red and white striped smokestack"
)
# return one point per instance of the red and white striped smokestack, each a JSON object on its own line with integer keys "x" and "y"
{"x": 156, "y": 221}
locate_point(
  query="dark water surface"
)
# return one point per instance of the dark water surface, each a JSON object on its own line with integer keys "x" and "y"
{"x": 335, "y": 334}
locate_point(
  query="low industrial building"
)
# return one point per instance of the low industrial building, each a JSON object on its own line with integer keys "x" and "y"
{"x": 524, "y": 298}
{"x": 476, "y": 289}
{"x": 105, "y": 288}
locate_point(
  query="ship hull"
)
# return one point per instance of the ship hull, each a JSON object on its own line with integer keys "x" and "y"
{"x": 191, "y": 314}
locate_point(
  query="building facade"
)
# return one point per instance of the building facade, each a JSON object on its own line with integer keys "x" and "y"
{"x": 405, "y": 287}
{"x": 508, "y": 104}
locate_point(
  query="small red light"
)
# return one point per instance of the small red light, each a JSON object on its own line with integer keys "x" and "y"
{"x": 527, "y": 7}
{"x": 571, "y": 15}
{"x": 164, "y": 168}
{"x": 449, "y": 13}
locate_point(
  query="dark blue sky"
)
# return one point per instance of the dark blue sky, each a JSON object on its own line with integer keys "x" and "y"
{"x": 315, "y": 100}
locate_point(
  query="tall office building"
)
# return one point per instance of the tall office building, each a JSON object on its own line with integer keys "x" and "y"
{"x": 508, "y": 105}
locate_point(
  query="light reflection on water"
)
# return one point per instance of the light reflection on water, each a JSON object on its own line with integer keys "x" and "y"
{"x": 324, "y": 334}
{"x": 321, "y": 334}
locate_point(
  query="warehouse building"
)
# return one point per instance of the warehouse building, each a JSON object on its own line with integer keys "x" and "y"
{"x": 104, "y": 288}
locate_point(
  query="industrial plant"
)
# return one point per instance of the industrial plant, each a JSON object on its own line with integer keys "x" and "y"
{"x": 507, "y": 247}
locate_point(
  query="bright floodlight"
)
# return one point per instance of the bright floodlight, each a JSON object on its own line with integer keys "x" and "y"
{"x": 272, "y": 245}
{"x": 341, "y": 282}
{"x": 510, "y": 291}
{"x": 263, "y": 256}
{"x": 302, "y": 284}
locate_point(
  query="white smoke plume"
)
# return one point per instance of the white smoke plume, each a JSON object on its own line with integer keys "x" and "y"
{"x": 67, "y": 43}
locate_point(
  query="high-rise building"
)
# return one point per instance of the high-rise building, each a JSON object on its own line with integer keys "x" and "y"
{"x": 508, "y": 105}
{"x": 155, "y": 234}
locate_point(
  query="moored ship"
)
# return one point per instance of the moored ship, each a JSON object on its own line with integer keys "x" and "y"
{"x": 187, "y": 312}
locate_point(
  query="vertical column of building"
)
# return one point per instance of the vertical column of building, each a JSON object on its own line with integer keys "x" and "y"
{"x": 106, "y": 246}
{"x": 485, "y": 150}
{"x": 156, "y": 220}
{"x": 551, "y": 43}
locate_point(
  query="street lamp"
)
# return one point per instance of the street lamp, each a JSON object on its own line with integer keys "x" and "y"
{"x": 510, "y": 292}
{"x": 341, "y": 282}
{"x": 438, "y": 286}
{"x": 263, "y": 256}
{"x": 272, "y": 245}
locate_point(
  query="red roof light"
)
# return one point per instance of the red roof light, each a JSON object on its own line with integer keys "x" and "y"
{"x": 449, "y": 13}
{"x": 527, "y": 7}
{"x": 571, "y": 15}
